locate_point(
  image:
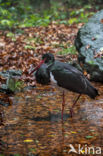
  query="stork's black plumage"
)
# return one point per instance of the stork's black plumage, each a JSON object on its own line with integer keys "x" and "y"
{"x": 65, "y": 75}
{"x": 69, "y": 77}
{"x": 42, "y": 75}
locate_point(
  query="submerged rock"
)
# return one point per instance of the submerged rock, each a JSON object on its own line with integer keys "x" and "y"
{"x": 89, "y": 43}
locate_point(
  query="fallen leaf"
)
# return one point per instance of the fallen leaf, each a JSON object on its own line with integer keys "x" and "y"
{"x": 73, "y": 132}
{"x": 87, "y": 47}
{"x": 101, "y": 21}
{"x": 89, "y": 137}
{"x": 28, "y": 140}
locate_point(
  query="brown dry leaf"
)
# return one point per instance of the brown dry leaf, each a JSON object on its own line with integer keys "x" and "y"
{"x": 87, "y": 47}
{"x": 93, "y": 38}
{"x": 101, "y": 21}
{"x": 85, "y": 72}
{"x": 99, "y": 54}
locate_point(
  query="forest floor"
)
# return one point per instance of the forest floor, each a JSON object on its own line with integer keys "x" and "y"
{"x": 31, "y": 124}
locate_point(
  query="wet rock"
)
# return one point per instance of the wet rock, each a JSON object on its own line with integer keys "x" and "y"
{"x": 89, "y": 43}
{"x": 5, "y": 90}
{"x": 11, "y": 77}
{"x": 3, "y": 103}
{"x": 12, "y": 73}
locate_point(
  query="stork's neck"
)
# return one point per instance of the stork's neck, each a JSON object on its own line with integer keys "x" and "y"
{"x": 50, "y": 65}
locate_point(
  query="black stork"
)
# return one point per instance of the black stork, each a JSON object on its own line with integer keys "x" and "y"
{"x": 65, "y": 76}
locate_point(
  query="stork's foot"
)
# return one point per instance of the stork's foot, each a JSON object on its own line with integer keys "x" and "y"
{"x": 71, "y": 112}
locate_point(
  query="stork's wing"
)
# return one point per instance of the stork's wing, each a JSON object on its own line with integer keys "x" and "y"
{"x": 72, "y": 79}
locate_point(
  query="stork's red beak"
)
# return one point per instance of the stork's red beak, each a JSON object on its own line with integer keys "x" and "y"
{"x": 37, "y": 67}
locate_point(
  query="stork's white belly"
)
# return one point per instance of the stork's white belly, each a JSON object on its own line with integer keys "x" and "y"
{"x": 52, "y": 79}
{"x": 54, "y": 82}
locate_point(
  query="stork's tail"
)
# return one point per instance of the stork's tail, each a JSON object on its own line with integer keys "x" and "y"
{"x": 91, "y": 91}
{"x": 94, "y": 93}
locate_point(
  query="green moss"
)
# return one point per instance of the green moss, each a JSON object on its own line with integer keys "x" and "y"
{"x": 70, "y": 50}
{"x": 91, "y": 62}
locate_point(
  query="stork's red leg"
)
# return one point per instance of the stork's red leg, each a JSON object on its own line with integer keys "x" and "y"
{"x": 71, "y": 110}
{"x": 63, "y": 103}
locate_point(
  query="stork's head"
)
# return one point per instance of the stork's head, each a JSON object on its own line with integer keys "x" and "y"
{"x": 47, "y": 58}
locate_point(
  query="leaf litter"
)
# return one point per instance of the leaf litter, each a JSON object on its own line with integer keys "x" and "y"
{"x": 32, "y": 123}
